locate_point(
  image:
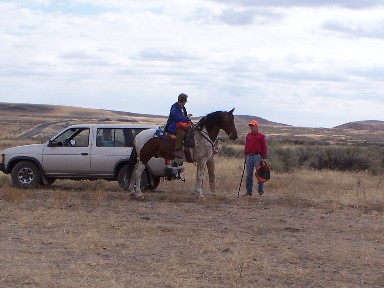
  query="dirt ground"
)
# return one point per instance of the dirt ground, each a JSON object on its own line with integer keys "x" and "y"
{"x": 71, "y": 235}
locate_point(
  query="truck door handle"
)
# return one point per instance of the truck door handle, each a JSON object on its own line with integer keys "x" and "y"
{"x": 84, "y": 154}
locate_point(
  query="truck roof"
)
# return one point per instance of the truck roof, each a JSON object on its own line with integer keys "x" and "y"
{"x": 116, "y": 125}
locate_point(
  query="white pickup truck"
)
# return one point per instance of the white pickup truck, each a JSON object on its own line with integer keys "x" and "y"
{"x": 87, "y": 151}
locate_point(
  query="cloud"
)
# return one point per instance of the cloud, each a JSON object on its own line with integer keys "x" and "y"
{"x": 364, "y": 28}
{"x": 167, "y": 54}
{"x": 294, "y": 62}
{"x": 352, "y": 4}
{"x": 247, "y": 16}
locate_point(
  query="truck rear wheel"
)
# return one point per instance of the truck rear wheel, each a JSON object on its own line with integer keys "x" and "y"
{"x": 156, "y": 183}
{"x": 124, "y": 178}
{"x": 26, "y": 175}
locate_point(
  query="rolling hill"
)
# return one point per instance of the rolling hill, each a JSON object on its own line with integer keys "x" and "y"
{"x": 13, "y": 110}
{"x": 373, "y": 125}
{"x": 23, "y": 120}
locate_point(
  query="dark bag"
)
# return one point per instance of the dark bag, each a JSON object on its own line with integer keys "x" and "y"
{"x": 263, "y": 172}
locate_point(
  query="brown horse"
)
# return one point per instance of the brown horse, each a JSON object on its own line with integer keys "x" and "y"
{"x": 205, "y": 134}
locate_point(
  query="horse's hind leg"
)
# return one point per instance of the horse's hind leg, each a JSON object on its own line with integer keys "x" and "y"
{"x": 132, "y": 183}
{"x": 134, "y": 186}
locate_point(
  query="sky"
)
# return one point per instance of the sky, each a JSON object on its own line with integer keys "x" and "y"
{"x": 316, "y": 63}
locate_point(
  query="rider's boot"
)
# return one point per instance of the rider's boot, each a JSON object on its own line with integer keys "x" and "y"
{"x": 179, "y": 153}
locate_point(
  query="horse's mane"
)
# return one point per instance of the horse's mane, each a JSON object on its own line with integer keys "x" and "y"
{"x": 210, "y": 120}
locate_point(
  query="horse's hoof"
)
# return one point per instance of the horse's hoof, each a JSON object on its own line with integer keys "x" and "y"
{"x": 201, "y": 199}
{"x": 136, "y": 196}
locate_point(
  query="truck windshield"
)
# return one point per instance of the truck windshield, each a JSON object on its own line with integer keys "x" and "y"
{"x": 74, "y": 137}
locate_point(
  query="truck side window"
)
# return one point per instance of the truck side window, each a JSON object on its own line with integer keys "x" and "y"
{"x": 128, "y": 137}
{"x": 111, "y": 137}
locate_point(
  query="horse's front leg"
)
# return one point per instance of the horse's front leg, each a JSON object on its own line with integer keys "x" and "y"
{"x": 199, "y": 177}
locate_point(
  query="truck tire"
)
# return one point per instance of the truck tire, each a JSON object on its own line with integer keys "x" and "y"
{"x": 26, "y": 175}
{"x": 156, "y": 183}
{"x": 124, "y": 177}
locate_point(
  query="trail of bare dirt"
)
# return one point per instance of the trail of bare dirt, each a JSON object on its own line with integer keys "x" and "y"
{"x": 37, "y": 130}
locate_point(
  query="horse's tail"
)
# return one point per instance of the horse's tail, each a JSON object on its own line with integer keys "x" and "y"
{"x": 132, "y": 159}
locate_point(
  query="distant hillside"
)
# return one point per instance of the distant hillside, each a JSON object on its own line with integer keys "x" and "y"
{"x": 10, "y": 111}
{"x": 33, "y": 110}
{"x": 373, "y": 125}
{"x": 35, "y": 121}
{"x": 245, "y": 119}
{"x": 14, "y": 110}
{"x": 77, "y": 114}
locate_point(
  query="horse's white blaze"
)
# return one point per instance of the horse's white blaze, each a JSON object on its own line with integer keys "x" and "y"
{"x": 145, "y": 135}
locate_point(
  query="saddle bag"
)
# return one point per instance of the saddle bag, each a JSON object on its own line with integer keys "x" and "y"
{"x": 189, "y": 139}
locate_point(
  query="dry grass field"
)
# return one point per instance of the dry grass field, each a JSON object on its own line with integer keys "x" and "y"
{"x": 310, "y": 229}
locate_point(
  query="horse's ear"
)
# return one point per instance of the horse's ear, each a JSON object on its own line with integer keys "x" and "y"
{"x": 231, "y": 111}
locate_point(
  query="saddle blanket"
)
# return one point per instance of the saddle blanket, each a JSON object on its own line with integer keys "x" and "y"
{"x": 160, "y": 133}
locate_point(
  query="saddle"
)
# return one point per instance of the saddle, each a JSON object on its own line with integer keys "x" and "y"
{"x": 188, "y": 141}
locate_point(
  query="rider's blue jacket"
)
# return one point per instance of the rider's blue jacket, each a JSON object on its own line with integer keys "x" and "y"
{"x": 177, "y": 114}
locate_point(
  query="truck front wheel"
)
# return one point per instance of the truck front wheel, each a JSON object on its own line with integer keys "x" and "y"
{"x": 26, "y": 175}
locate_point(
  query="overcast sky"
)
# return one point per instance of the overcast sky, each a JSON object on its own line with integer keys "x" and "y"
{"x": 316, "y": 63}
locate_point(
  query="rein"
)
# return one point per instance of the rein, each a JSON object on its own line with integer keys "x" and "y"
{"x": 206, "y": 137}
{"x": 199, "y": 128}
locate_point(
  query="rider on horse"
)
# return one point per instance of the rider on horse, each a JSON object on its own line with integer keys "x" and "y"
{"x": 178, "y": 123}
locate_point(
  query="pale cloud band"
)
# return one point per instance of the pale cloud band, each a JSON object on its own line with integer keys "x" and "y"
{"x": 288, "y": 61}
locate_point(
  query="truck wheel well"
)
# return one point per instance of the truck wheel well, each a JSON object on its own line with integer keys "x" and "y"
{"x": 17, "y": 160}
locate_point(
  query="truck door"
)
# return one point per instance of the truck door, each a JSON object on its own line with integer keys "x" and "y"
{"x": 68, "y": 153}
{"x": 113, "y": 145}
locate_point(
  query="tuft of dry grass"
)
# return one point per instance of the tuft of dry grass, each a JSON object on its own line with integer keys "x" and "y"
{"x": 328, "y": 189}
{"x": 13, "y": 195}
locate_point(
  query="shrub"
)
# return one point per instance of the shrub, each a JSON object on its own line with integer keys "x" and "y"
{"x": 282, "y": 159}
{"x": 343, "y": 159}
{"x": 230, "y": 151}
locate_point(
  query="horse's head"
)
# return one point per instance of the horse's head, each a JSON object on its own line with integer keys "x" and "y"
{"x": 228, "y": 124}
{"x": 219, "y": 120}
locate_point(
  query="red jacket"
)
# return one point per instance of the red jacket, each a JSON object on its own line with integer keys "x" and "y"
{"x": 256, "y": 143}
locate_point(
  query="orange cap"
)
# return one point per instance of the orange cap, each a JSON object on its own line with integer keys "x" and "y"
{"x": 254, "y": 123}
